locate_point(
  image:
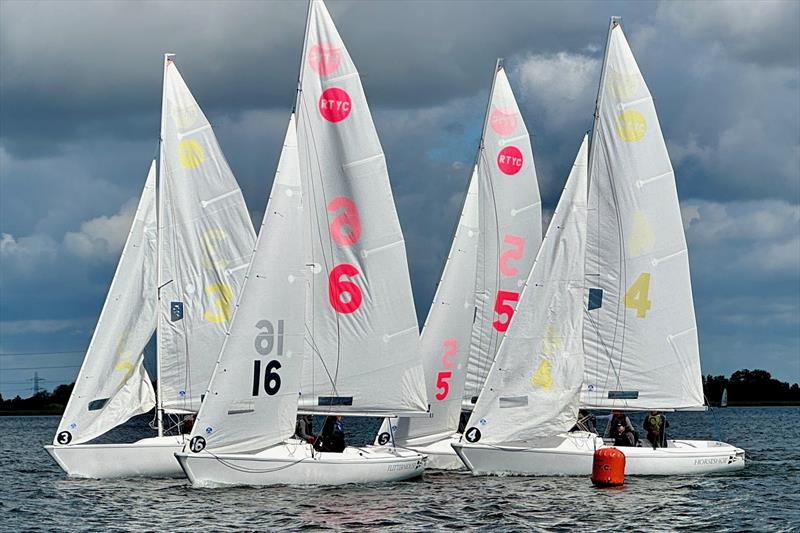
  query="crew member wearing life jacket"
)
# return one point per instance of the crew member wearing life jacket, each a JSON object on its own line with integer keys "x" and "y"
{"x": 655, "y": 424}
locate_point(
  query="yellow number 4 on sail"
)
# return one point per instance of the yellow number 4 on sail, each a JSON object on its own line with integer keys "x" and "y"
{"x": 636, "y": 295}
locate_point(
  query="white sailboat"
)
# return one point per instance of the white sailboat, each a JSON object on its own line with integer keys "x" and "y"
{"x": 179, "y": 274}
{"x": 640, "y": 349}
{"x": 723, "y": 401}
{"x": 493, "y": 248}
{"x": 360, "y": 355}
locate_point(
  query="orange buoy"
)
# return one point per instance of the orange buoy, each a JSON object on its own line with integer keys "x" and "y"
{"x": 608, "y": 468}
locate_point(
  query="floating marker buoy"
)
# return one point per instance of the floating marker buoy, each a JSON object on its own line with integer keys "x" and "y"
{"x": 608, "y": 468}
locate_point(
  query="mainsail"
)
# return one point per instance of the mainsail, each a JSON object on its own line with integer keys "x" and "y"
{"x": 362, "y": 332}
{"x": 206, "y": 241}
{"x": 251, "y": 401}
{"x": 113, "y": 385}
{"x": 444, "y": 342}
{"x": 510, "y": 229}
{"x": 640, "y": 334}
{"x": 533, "y": 387}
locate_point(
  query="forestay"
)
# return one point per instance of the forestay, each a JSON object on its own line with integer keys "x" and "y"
{"x": 533, "y": 388}
{"x": 251, "y": 401}
{"x": 206, "y": 241}
{"x": 362, "y": 332}
{"x": 640, "y": 331}
{"x": 447, "y": 330}
{"x": 113, "y": 385}
{"x": 510, "y": 213}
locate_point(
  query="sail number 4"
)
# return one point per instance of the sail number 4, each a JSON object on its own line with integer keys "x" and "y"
{"x": 267, "y": 341}
{"x": 441, "y": 378}
{"x": 343, "y": 294}
{"x": 637, "y": 293}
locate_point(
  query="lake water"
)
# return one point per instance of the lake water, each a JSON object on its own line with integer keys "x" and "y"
{"x": 36, "y": 496}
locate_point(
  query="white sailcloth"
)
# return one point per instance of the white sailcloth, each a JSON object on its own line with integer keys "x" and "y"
{"x": 251, "y": 401}
{"x": 640, "y": 331}
{"x": 362, "y": 332}
{"x": 510, "y": 212}
{"x": 446, "y": 334}
{"x": 533, "y": 388}
{"x": 113, "y": 385}
{"x": 206, "y": 241}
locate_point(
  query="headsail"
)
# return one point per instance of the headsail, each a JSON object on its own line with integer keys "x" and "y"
{"x": 251, "y": 401}
{"x": 362, "y": 332}
{"x": 533, "y": 388}
{"x": 510, "y": 213}
{"x": 446, "y": 334}
{"x": 206, "y": 241}
{"x": 113, "y": 385}
{"x": 639, "y": 330}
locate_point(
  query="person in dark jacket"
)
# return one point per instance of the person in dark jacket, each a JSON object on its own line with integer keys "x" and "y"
{"x": 332, "y": 437}
{"x": 304, "y": 429}
{"x": 655, "y": 424}
{"x": 624, "y": 436}
{"x": 617, "y": 417}
{"x": 586, "y": 422}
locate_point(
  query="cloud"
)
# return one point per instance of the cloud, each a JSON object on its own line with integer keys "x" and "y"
{"x": 102, "y": 238}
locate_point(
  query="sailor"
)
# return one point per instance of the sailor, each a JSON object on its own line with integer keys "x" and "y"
{"x": 304, "y": 429}
{"x": 623, "y": 436}
{"x": 655, "y": 424}
{"x": 332, "y": 437}
{"x": 617, "y": 417}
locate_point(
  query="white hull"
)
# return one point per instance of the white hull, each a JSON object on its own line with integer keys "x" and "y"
{"x": 440, "y": 453}
{"x": 153, "y": 457}
{"x": 296, "y": 463}
{"x": 573, "y": 456}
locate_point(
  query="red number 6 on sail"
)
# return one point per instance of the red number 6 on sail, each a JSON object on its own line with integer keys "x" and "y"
{"x": 347, "y": 220}
{"x": 338, "y": 287}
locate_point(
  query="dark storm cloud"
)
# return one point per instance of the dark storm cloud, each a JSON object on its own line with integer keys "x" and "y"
{"x": 80, "y": 89}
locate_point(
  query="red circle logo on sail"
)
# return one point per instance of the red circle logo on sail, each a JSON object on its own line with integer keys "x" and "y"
{"x": 324, "y": 58}
{"x": 509, "y": 160}
{"x": 335, "y": 104}
{"x": 502, "y": 123}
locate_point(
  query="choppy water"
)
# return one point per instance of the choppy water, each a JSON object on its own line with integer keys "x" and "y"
{"x": 36, "y": 496}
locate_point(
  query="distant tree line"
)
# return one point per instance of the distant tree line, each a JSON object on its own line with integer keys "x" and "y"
{"x": 745, "y": 387}
{"x": 750, "y": 387}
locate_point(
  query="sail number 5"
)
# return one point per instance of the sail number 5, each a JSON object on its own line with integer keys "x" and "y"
{"x": 441, "y": 378}
{"x": 516, "y": 252}
{"x": 266, "y": 342}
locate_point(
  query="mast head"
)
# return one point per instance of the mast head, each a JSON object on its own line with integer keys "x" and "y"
{"x": 615, "y": 21}
{"x": 169, "y": 57}
{"x": 499, "y": 64}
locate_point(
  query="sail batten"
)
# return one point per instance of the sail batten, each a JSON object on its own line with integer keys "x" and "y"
{"x": 362, "y": 331}
{"x": 639, "y": 329}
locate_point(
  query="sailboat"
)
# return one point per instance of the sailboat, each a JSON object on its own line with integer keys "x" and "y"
{"x": 723, "y": 401}
{"x": 326, "y": 324}
{"x": 180, "y": 272}
{"x": 495, "y": 242}
{"x": 639, "y": 347}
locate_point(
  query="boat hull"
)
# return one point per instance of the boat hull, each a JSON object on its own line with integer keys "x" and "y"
{"x": 153, "y": 457}
{"x": 440, "y": 452}
{"x": 296, "y": 463}
{"x": 573, "y": 456}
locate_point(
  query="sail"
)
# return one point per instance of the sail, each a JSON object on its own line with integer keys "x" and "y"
{"x": 251, "y": 401}
{"x": 113, "y": 385}
{"x": 510, "y": 231}
{"x": 533, "y": 388}
{"x": 445, "y": 338}
{"x": 639, "y": 330}
{"x": 723, "y": 402}
{"x": 362, "y": 332}
{"x": 206, "y": 241}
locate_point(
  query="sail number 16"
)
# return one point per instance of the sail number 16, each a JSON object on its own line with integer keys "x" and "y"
{"x": 266, "y": 342}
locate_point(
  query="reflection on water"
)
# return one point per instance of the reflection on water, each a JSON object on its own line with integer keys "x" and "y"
{"x": 35, "y": 495}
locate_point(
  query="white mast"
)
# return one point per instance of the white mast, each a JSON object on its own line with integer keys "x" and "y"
{"x": 159, "y": 330}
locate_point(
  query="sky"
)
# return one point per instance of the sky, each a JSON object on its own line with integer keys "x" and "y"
{"x": 80, "y": 90}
